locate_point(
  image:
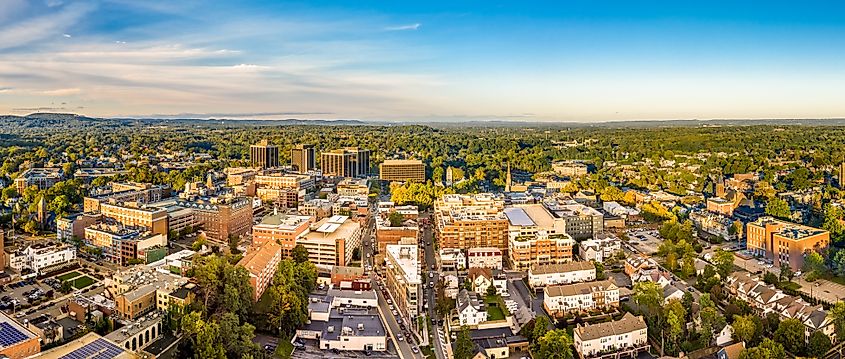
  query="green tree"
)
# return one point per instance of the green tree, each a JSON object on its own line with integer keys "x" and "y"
{"x": 818, "y": 344}
{"x": 599, "y": 270}
{"x": 778, "y": 208}
{"x": 790, "y": 334}
{"x": 837, "y": 315}
{"x": 203, "y": 336}
{"x": 648, "y": 295}
{"x": 768, "y": 349}
{"x": 299, "y": 254}
{"x": 395, "y": 219}
{"x": 814, "y": 263}
{"x": 464, "y": 347}
{"x": 67, "y": 287}
{"x": 744, "y": 328}
{"x": 541, "y": 327}
{"x": 555, "y": 344}
{"x": 786, "y": 273}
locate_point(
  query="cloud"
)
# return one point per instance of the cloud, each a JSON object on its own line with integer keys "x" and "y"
{"x": 237, "y": 114}
{"x": 61, "y": 92}
{"x": 66, "y": 35}
{"x": 54, "y": 3}
{"x": 415, "y": 26}
{"x": 44, "y": 26}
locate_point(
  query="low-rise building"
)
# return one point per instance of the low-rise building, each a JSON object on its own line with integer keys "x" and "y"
{"x": 566, "y": 273}
{"x": 452, "y": 260}
{"x": 345, "y": 320}
{"x": 784, "y": 242}
{"x": 403, "y": 279}
{"x": 577, "y": 297}
{"x": 281, "y": 228}
{"x": 135, "y": 290}
{"x": 623, "y": 338}
{"x": 42, "y": 257}
{"x": 18, "y": 342}
{"x": 261, "y": 261}
{"x": 48, "y": 330}
{"x": 73, "y": 225}
{"x": 484, "y": 257}
{"x": 470, "y": 308}
{"x": 124, "y": 245}
{"x": 581, "y": 222}
{"x": 483, "y": 278}
{"x": 84, "y": 346}
{"x": 138, "y": 334}
{"x": 604, "y": 246}
{"x": 332, "y": 241}
{"x": 42, "y": 178}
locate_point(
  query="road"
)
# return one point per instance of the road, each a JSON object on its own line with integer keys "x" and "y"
{"x": 431, "y": 293}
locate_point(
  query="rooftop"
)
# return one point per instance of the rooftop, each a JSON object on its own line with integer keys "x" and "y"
{"x": 407, "y": 257}
{"x": 12, "y": 332}
{"x": 567, "y": 290}
{"x": 562, "y": 267}
{"x": 92, "y": 345}
{"x": 629, "y": 323}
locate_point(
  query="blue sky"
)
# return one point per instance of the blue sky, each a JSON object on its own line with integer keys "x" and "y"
{"x": 424, "y": 61}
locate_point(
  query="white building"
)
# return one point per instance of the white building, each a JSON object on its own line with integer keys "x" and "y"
{"x": 619, "y": 210}
{"x": 484, "y": 257}
{"x": 471, "y": 310}
{"x": 403, "y": 278}
{"x": 603, "y": 246}
{"x": 624, "y": 337}
{"x": 39, "y": 257}
{"x": 565, "y": 273}
{"x": 563, "y": 299}
{"x": 483, "y": 278}
{"x": 353, "y": 298}
{"x": 452, "y": 260}
{"x": 345, "y": 320}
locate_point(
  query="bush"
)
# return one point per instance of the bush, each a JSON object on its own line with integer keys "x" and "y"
{"x": 811, "y": 277}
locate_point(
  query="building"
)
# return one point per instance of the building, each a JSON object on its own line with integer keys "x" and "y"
{"x": 402, "y": 170}
{"x": 784, "y": 242}
{"x": 179, "y": 218}
{"x": 560, "y": 300}
{"x": 623, "y": 338}
{"x": 124, "y": 245}
{"x": 604, "y": 246}
{"x": 387, "y": 233}
{"x": 16, "y": 342}
{"x": 47, "y": 329}
{"x": 281, "y": 228}
{"x": 261, "y": 261}
{"x": 84, "y": 347}
{"x": 471, "y": 221}
{"x": 135, "y": 290}
{"x": 138, "y": 334}
{"x": 345, "y": 320}
{"x": 332, "y": 241}
{"x": 570, "y": 168}
{"x": 526, "y": 251}
{"x": 482, "y": 278}
{"x": 221, "y": 218}
{"x": 403, "y": 279}
{"x": 152, "y": 219}
{"x": 302, "y": 158}
{"x": 580, "y": 221}
{"x": 556, "y": 274}
{"x": 120, "y": 192}
{"x": 317, "y": 208}
{"x": 616, "y": 209}
{"x": 452, "y": 260}
{"x": 43, "y": 257}
{"x": 264, "y": 155}
{"x": 471, "y": 309}
{"x": 42, "y": 178}
{"x": 73, "y": 225}
{"x": 484, "y": 257}
{"x": 345, "y": 162}
{"x": 288, "y": 189}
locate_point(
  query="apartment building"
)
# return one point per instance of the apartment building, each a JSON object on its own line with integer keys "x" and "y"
{"x": 282, "y": 229}
{"x": 470, "y": 308}
{"x": 402, "y": 170}
{"x": 345, "y": 162}
{"x": 452, "y": 260}
{"x": 387, "y": 233}
{"x": 264, "y": 155}
{"x": 135, "y": 290}
{"x": 261, "y": 261}
{"x": 345, "y": 320}
{"x": 317, "y": 208}
{"x": 221, "y": 217}
{"x": 302, "y": 158}
{"x": 578, "y": 297}
{"x": 120, "y": 192}
{"x": 484, "y": 257}
{"x": 581, "y": 222}
{"x": 284, "y": 180}
{"x": 403, "y": 279}
{"x": 623, "y": 338}
{"x": 602, "y": 247}
{"x": 123, "y": 245}
{"x": 471, "y": 221}
{"x": 556, "y": 274}
{"x": 154, "y": 219}
{"x": 73, "y": 225}
{"x": 239, "y": 176}
{"x": 570, "y": 168}
{"x": 332, "y": 241}
{"x": 784, "y": 242}
{"x": 178, "y": 217}
{"x": 525, "y": 251}
{"x": 42, "y": 178}
{"x": 42, "y": 257}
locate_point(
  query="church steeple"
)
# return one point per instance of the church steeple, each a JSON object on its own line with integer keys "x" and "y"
{"x": 508, "y": 179}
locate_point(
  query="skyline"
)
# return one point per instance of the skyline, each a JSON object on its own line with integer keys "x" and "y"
{"x": 423, "y": 62}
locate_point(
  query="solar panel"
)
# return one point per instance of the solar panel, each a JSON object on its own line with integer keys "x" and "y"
{"x": 98, "y": 349}
{"x": 9, "y": 335}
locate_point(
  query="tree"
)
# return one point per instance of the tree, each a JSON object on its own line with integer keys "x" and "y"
{"x": 66, "y": 287}
{"x": 771, "y": 324}
{"x": 837, "y": 315}
{"x": 444, "y": 304}
{"x": 299, "y": 254}
{"x": 541, "y": 327}
{"x": 648, "y": 295}
{"x": 786, "y": 273}
{"x": 395, "y": 219}
{"x": 818, "y": 344}
{"x": 599, "y": 270}
{"x": 491, "y": 290}
{"x": 688, "y": 268}
{"x": 744, "y": 328}
{"x": 464, "y": 347}
{"x": 724, "y": 261}
{"x": 790, "y": 334}
{"x": 770, "y": 278}
{"x": 555, "y": 344}
{"x": 768, "y": 349}
{"x": 778, "y": 208}
{"x": 814, "y": 263}
{"x": 712, "y": 322}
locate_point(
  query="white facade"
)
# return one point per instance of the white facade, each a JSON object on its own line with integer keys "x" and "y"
{"x": 452, "y": 259}
{"x": 617, "y": 209}
{"x": 556, "y": 274}
{"x": 470, "y": 310}
{"x": 627, "y": 334}
{"x": 38, "y": 257}
{"x": 599, "y": 249}
{"x": 561, "y": 299}
{"x": 484, "y": 257}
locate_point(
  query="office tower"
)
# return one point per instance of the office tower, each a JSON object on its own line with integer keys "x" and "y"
{"x": 345, "y": 162}
{"x": 264, "y": 155}
{"x": 402, "y": 170}
{"x": 302, "y": 158}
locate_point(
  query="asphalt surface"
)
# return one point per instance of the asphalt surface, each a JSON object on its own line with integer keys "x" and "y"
{"x": 431, "y": 293}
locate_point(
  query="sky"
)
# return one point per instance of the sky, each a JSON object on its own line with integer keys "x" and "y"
{"x": 556, "y": 61}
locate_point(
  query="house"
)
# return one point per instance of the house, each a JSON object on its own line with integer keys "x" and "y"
{"x": 471, "y": 310}
{"x": 671, "y": 292}
{"x": 484, "y": 257}
{"x": 451, "y": 285}
{"x": 562, "y": 299}
{"x": 725, "y": 336}
{"x": 483, "y": 278}
{"x": 654, "y": 275}
{"x": 731, "y": 351}
{"x": 604, "y": 246}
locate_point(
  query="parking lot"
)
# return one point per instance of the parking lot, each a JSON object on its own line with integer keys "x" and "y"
{"x": 22, "y": 295}
{"x": 645, "y": 241}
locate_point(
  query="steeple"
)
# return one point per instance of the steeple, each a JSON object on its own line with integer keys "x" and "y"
{"x": 508, "y": 179}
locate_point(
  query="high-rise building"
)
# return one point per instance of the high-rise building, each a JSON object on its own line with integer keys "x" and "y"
{"x": 345, "y": 162}
{"x": 220, "y": 217}
{"x": 264, "y": 155}
{"x": 302, "y": 158}
{"x": 402, "y": 170}
{"x": 471, "y": 221}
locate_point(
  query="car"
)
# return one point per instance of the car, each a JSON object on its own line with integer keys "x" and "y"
{"x": 415, "y": 350}
{"x": 431, "y": 284}
{"x": 368, "y": 353}
{"x": 389, "y": 302}
{"x": 798, "y": 273}
{"x": 269, "y": 348}
{"x": 431, "y": 274}
{"x": 298, "y": 345}
{"x": 690, "y": 289}
{"x": 400, "y": 338}
{"x": 395, "y": 313}
{"x": 391, "y": 307}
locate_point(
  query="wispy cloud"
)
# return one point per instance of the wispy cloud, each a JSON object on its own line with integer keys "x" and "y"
{"x": 66, "y": 36}
{"x": 415, "y": 26}
{"x": 237, "y": 114}
{"x": 61, "y": 92}
{"x": 42, "y": 26}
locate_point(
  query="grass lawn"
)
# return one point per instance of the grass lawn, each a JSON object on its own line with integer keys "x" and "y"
{"x": 82, "y": 282}
{"x": 495, "y": 313}
{"x": 67, "y": 276}
{"x": 791, "y": 285}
